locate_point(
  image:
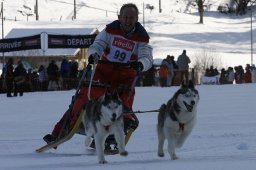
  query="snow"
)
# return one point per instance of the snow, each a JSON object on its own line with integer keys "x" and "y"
{"x": 223, "y": 138}
{"x": 228, "y": 37}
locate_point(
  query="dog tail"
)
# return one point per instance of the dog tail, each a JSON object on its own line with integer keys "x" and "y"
{"x": 161, "y": 117}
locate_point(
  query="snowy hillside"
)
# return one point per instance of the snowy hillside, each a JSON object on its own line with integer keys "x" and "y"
{"x": 228, "y": 37}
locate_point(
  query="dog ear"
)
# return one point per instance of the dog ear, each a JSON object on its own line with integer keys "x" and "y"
{"x": 115, "y": 95}
{"x": 107, "y": 94}
{"x": 107, "y": 91}
{"x": 191, "y": 84}
{"x": 183, "y": 84}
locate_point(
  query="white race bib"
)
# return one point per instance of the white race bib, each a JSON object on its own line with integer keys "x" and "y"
{"x": 121, "y": 49}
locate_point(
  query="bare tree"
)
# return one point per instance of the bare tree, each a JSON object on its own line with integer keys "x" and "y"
{"x": 241, "y": 6}
{"x": 204, "y": 58}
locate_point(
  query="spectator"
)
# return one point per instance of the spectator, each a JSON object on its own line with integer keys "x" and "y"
{"x": 42, "y": 78}
{"x": 53, "y": 75}
{"x": 73, "y": 74}
{"x": 19, "y": 79}
{"x": 157, "y": 77}
{"x": 207, "y": 72}
{"x": 230, "y": 75}
{"x": 29, "y": 81}
{"x": 247, "y": 75}
{"x": 175, "y": 68}
{"x": 170, "y": 69}
{"x": 163, "y": 73}
{"x": 223, "y": 76}
{"x": 239, "y": 74}
{"x": 216, "y": 72}
{"x": 212, "y": 72}
{"x": 64, "y": 72}
{"x": 34, "y": 80}
{"x": 253, "y": 71}
{"x": 182, "y": 62}
{"x": 2, "y": 83}
{"x": 9, "y": 76}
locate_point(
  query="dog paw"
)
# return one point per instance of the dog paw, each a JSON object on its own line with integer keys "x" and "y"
{"x": 103, "y": 162}
{"x": 124, "y": 153}
{"x": 174, "y": 157}
{"x": 161, "y": 154}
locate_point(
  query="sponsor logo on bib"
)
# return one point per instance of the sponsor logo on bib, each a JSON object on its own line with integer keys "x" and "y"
{"x": 123, "y": 44}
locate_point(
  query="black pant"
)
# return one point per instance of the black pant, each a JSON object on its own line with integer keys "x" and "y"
{"x": 9, "y": 86}
{"x": 18, "y": 88}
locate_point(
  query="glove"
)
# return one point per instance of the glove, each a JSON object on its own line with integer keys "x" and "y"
{"x": 137, "y": 65}
{"x": 93, "y": 57}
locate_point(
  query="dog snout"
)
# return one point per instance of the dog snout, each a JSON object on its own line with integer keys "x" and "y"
{"x": 192, "y": 102}
{"x": 114, "y": 116}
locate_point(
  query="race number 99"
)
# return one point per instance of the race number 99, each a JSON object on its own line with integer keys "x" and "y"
{"x": 120, "y": 55}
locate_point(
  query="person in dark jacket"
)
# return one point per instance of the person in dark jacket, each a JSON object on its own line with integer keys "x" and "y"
{"x": 19, "y": 79}
{"x": 9, "y": 77}
{"x": 64, "y": 72}
{"x": 42, "y": 78}
{"x": 183, "y": 64}
{"x": 53, "y": 75}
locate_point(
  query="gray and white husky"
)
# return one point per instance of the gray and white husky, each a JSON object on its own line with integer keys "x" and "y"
{"x": 177, "y": 118}
{"x": 104, "y": 117}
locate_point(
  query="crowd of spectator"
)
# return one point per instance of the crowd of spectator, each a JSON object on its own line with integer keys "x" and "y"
{"x": 15, "y": 80}
{"x": 233, "y": 75}
{"x": 168, "y": 73}
{"x": 157, "y": 75}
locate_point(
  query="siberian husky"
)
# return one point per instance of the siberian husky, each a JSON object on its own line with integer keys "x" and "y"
{"x": 104, "y": 117}
{"x": 177, "y": 118}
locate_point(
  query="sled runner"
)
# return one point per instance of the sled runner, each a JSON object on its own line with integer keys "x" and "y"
{"x": 63, "y": 139}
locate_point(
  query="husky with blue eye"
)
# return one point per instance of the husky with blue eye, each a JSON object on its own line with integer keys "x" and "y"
{"x": 177, "y": 118}
{"x": 104, "y": 117}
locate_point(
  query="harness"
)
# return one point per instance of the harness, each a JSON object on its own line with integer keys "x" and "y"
{"x": 174, "y": 118}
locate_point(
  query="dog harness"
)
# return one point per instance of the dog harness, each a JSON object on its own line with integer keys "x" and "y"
{"x": 174, "y": 118}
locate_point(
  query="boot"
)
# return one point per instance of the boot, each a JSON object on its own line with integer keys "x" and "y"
{"x": 49, "y": 138}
